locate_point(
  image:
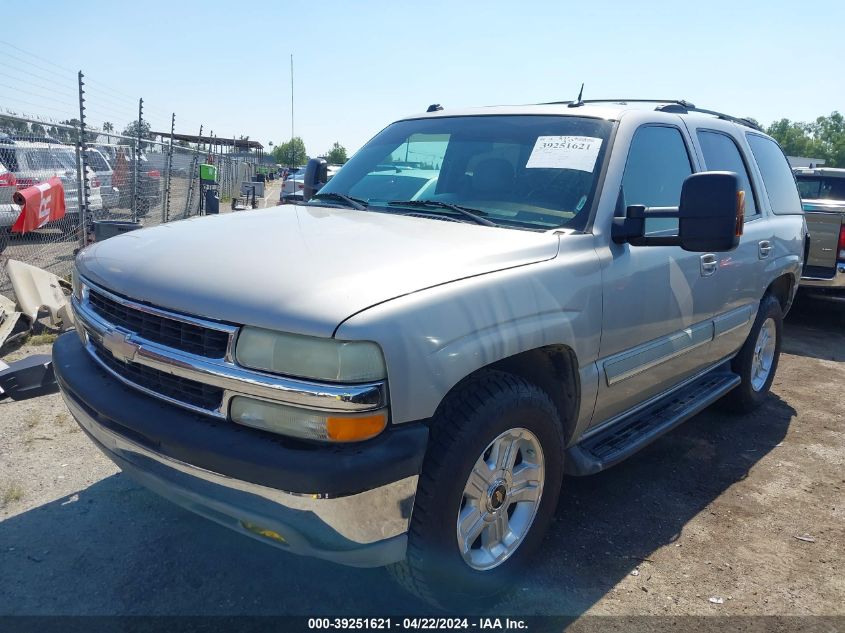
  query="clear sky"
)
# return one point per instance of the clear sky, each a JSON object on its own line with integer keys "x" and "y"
{"x": 360, "y": 65}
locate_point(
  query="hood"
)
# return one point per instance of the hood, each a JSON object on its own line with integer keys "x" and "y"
{"x": 300, "y": 269}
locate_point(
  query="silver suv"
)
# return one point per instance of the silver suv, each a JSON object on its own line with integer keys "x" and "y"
{"x": 389, "y": 378}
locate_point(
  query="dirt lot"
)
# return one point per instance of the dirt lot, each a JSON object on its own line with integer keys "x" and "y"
{"x": 710, "y": 511}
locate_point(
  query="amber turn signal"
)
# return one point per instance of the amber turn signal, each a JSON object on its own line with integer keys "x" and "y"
{"x": 355, "y": 429}
{"x": 740, "y": 212}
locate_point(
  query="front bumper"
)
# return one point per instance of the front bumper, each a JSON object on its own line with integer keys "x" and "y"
{"x": 347, "y": 504}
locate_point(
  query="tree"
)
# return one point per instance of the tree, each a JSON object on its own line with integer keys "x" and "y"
{"x": 824, "y": 138}
{"x": 132, "y": 129}
{"x": 108, "y": 127}
{"x": 337, "y": 154}
{"x": 13, "y": 126}
{"x": 72, "y": 136}
{"x": 291, "y": 152}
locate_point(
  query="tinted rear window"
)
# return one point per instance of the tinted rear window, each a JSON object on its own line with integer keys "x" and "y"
{"x": 722, "y": 154}
{"x": 815, "y": 188}
{"x": 777, "y": 175}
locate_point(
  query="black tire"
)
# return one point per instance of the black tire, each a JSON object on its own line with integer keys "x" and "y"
{"x": 745, "y": 398}
{"x": 466, "y": 423}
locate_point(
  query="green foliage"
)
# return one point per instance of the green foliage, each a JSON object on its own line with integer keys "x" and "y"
{"x": 13, "y": 126}
{"x": 823, "y": 138}
{"x": 337, "y": 154}
{"x": 291, "y": 152}
{"x": 132, "y": 130}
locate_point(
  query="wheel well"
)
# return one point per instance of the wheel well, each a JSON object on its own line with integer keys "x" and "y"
{"x": 781, "y": 289}
{"x": 554, "y": 369}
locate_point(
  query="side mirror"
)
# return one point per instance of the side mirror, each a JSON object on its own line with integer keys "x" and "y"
{"x": 710, "y": 216}
{"x": 316, "y": 175}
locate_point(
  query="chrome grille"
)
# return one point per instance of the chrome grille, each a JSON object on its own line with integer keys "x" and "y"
{"x": 187, "y": 360}
{"x": 187, "y": 337}
{"x": 184, "y": 390}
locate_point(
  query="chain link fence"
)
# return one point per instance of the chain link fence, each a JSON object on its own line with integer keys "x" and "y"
{"x": 118, "y": 158}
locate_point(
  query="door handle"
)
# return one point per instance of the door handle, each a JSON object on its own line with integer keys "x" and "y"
{"x": 709, "y": 264}
{"x": 764, "y": 248}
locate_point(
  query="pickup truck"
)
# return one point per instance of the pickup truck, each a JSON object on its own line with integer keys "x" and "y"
{"x": 389, "y": 378}
{"x": 822, "y": 191}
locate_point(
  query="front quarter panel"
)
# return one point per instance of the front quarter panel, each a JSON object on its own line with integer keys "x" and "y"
{"x": 434, "y": 338}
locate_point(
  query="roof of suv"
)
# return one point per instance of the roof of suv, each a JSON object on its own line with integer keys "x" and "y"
{"x": 611, "y": 110}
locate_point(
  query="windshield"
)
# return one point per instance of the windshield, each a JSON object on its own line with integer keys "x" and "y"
{"x": 524, "y": 171}
{"x": 42, "y": 158}
{"x": 816, "y": 188}
{"x": 97, "y": 162}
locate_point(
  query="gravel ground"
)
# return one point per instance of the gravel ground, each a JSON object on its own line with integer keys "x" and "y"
{"x": 710, "y": 511}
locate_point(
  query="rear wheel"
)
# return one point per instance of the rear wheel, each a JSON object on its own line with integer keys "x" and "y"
{"x": 487, "y": 493}
{"x": 757, "y": 361}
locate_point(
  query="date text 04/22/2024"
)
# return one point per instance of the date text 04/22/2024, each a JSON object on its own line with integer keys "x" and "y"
{"x": 419, "y": 623}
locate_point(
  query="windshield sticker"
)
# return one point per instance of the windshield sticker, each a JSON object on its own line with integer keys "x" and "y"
{"x": 565, "y": 152}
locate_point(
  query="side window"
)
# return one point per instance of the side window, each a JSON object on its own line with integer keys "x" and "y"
{"x": 722, "y": 154}
{"x": 657, "y": 165}
{"x": 777, "y": 176}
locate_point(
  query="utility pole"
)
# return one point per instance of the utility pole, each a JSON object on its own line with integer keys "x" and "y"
{"x": 291, "y": 96}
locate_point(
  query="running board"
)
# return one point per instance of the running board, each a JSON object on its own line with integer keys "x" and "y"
{"x": 622, "y": 439}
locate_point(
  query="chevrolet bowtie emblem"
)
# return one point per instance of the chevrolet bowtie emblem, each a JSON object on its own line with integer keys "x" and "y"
{"x": 120, "y": 346}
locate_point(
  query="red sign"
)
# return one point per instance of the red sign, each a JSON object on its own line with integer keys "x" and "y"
{"x": 41, "y": 203}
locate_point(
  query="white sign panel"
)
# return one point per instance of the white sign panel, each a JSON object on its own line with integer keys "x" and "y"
{"x": 565, "y": 152}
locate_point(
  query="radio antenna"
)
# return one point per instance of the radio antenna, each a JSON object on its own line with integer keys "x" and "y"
{"x": 578, "y": 102}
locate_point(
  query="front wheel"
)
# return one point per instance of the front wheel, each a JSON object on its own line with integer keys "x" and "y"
{"x": 757, "y": 360}
{"x": 488, "y": 490}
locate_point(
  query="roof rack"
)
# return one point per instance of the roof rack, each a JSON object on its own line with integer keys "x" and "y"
{"x": 679, "y": 106}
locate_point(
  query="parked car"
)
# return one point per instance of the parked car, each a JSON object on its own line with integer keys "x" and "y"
{"x": 9, "y": 211}
{"x": 104, "y": 173}
{"x": 823, "y": 194}
{"x": 122, "y": 160}
{"x": 294, "y": 183}
{"x": 384, "y": 378}
{"x": 34, "y": 162}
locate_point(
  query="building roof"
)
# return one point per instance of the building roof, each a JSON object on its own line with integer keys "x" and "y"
{"x": 237, "y": 143}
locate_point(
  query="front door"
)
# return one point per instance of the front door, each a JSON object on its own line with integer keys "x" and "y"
{"x": 658, "y": 300}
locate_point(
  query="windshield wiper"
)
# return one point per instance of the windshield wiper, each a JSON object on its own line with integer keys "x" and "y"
{"x": 355, "y": 203}
{"x": 467, "y": 212}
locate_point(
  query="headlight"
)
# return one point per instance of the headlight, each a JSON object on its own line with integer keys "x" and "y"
{"x": 306, "y": 424}
{"x": 309, "y": 356}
